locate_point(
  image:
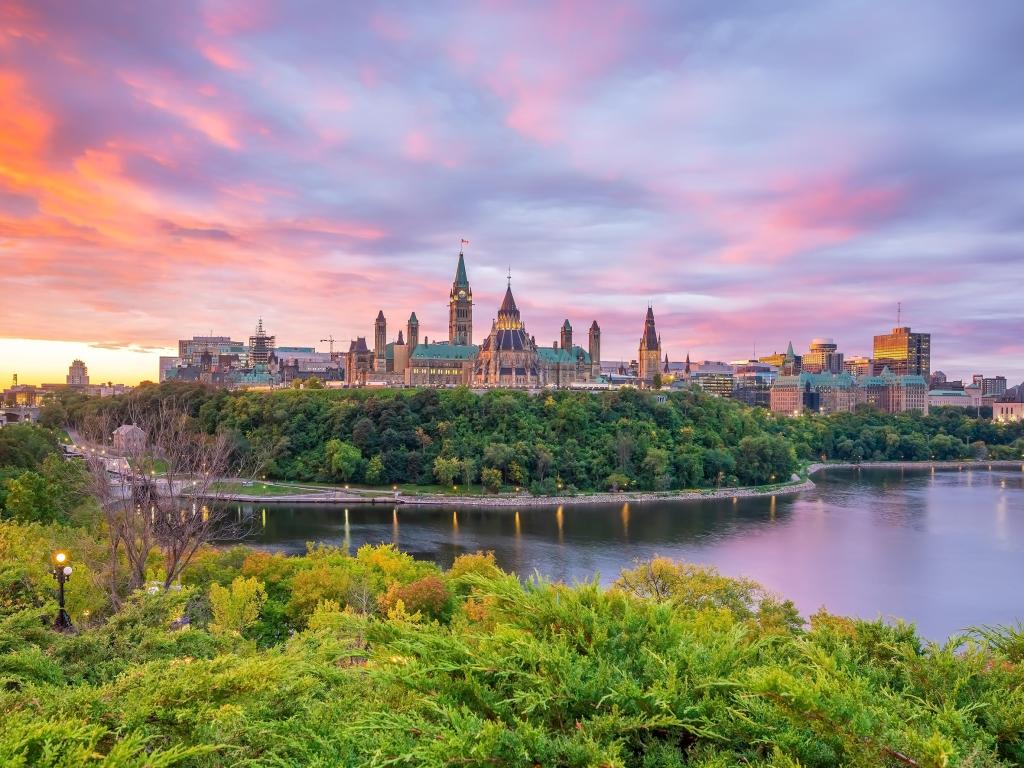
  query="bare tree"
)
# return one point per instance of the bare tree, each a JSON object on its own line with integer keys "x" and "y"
{"x": 160, "y": 490}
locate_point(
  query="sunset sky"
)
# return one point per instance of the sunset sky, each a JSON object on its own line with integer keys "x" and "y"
{"x": 758, "y": 171}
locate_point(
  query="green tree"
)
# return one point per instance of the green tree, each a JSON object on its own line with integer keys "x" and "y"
{"x": 343, "y": 459}
{"x": 657, "y": 381}
{"x": 30, "y": 498}
{"x": 236, "y": 608}
{"x": 491, "y": 479}
{"x": 375, "y": 470}
{"x": 655, "y": 469}
{"x": 445, "y": 470}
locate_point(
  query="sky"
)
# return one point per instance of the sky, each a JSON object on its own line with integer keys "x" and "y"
{"x": 757, "y": 172}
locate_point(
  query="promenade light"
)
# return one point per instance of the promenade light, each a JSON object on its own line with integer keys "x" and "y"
{"x": 62, "y": 573}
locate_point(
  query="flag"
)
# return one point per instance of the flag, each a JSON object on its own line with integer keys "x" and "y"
{"x": 464, "y": 242}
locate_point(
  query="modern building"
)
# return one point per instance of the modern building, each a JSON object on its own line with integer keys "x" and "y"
{"x": 990, "y": 385}
{"x": 752, "y": 382}
{"x": 191, "y": 350}
{"x": 903, "y": 352}
{"x": 858, "y": 365}
{"x": 649, "y": 354}
{"x": 78, "y": 374}
{"x": 822, "y": 357}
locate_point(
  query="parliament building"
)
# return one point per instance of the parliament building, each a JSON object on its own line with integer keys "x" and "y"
{"x": 508, "y": 357}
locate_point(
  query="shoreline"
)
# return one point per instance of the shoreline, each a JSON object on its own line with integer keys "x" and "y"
{"x": 526, "y": 500}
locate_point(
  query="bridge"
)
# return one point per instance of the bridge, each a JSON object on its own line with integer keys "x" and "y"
{"x": 13, "y": 414}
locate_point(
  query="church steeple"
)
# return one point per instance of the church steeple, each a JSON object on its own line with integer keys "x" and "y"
{"x": 460, "y": 306}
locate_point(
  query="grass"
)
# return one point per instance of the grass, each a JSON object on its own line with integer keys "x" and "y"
{"x": 254, "y": 489}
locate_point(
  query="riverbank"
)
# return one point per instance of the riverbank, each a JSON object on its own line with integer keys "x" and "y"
{"x": 801, "y": 483}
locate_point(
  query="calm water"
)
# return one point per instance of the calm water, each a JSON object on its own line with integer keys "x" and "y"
{"x": 943, "y": 549}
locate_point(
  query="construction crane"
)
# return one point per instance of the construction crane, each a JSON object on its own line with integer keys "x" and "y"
{"x": 329, "y": 340}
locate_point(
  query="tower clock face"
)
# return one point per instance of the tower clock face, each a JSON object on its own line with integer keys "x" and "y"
{"x": 462, "y": 294}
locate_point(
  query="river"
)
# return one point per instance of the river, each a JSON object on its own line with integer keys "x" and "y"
{"x": 942, "y": 549}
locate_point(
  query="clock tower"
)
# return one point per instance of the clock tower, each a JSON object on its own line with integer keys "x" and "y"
{"x": 460, "y": 307}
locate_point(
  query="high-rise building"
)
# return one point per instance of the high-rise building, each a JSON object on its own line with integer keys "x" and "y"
{"x": 380, "y": 341}
{"x": 460, "y": 307}
{"x": 822, "y": 357}
{"x": 78, "y": 375}
{"x": 190, "y": 350}
{"x": 649, "y": 355}
{"x": 990, "y": 385}
{"x": 904, "y": 353}
{"x": 858, "y": 365}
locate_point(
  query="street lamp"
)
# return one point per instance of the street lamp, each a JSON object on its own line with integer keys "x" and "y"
{"x": 62, "y": 572}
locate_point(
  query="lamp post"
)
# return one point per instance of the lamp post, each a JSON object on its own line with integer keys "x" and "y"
{"x": 61, "y": 572}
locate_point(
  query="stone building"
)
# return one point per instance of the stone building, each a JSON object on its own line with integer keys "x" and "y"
{"x": 649, "y": 356}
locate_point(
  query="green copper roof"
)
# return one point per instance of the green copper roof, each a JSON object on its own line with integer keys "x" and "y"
{"x": 460, "y": 273}
{"x": 445, "y": 351}
{"x": 551, "y": 355}
{"x": 412, "y": 318}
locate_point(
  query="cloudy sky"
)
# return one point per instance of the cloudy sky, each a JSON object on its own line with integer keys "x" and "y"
{"x": 757, "y": 171}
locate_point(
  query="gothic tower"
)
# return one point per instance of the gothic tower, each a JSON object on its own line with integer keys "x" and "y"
{"x": 412, "y": 332}
{"x": 566, "y": 336}
{"x": 380, "y": 341}
{"x": 649, "y": 355}
{"x": 595, "y": 348}
{"x": 460, "y": 307}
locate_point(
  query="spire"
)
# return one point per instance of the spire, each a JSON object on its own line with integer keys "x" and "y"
{"x": 666, "y": 362}
{"x": 566, "y": 325}
{"x": 401, "y": 340}
{"x": 509, "y": 303}
{"x": 649, "y": 340}
{"x": 686, "y": 370}
{"x": 380, "y": 315}
{"x": 412, "y": 318}
{"x": 789, "y": 351}
{"x": 460, "y": 273}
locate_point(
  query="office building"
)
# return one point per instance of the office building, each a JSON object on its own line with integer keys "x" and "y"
{"x": 78, "y": 375}
{"x": 903, "y": 352}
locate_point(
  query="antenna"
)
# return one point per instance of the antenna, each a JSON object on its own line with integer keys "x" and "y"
{"x": 899, "y": 312}
{"x": 509, "y": 275}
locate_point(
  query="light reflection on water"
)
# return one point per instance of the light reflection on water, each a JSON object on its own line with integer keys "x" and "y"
{"x": 942, "y": 549}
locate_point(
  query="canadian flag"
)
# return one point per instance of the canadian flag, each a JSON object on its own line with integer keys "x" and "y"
{"x": 464, "y": 242}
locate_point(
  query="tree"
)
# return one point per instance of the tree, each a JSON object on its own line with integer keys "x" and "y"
{"x": 375, "y": 470}
{"x": 491, "y": 478}
{"x": 343, "y": 459}
{"x": 617, "y": 481}
{"x": 173, "y": 512}
{"x": 314, "y": 382}
{"x": 29, "y": 499}
{"x": 237, "y": 608}
{"x": 445, "y": 470}
{"x": 468, "y": 470}
{"x": 764, "y": 459}
{"x": 656, "y": 382}
{"x": 654, "y": 469}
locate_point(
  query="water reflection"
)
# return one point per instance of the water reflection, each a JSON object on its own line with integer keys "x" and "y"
{"x": 943, "y": 549}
